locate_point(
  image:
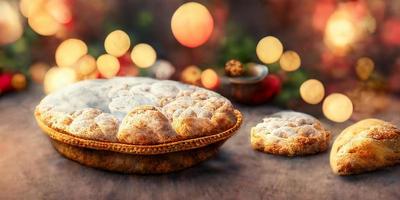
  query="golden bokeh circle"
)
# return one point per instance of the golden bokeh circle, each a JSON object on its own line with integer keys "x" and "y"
{"x": 191, "y": 74}
{"x": 69, "y": 52}
{"x": 108, "y": 65}
{"x": 117, "y": 43}
{"x": 209, "y": 79}
{"x": 337, "y": 107}
{"x": 44, "y": 24}
{"x": 269, "y": 49}
{"x": 86, "y": 65}
{"x": 192, "y": 24}
{"x": 364, "y": 67}
{"x": 312, "y": 91}
{"x": 143, "y": 55}
{"x": 290, "y": 61}
{"x": 57, "y": 78}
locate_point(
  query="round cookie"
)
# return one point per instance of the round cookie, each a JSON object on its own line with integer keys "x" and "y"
{"x": 290, "y": 133}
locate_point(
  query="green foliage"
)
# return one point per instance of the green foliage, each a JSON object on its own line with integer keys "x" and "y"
{"x": 236, "y": 45}
{"x": 16, "y": 57}
{"x": 290, "y": 88}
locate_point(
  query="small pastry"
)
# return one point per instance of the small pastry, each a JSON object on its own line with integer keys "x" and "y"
{"x": 290, "y": 133}
{"x": 367, "y": 145}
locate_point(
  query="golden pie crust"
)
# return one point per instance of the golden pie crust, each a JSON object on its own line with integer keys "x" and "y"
{"x": 290, "y": 133}
{"x": 136, "y": 111}
{"x": 367, "y": 145}
{"x": 141, "y": 159}
{"x": 128, "y": 120}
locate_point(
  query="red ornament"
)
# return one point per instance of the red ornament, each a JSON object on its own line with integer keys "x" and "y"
{"x": 269, "y": 88}
{"x": 127, "y": 67}
{"x": 5, "y": 82}
{"x": 272, "y": 85}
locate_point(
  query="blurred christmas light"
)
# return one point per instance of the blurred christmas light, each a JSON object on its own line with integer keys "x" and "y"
{"x": 337, "y": 107}
{"x": 86, "y": 65}
{"x": 107, "y": 65}
{"x": 322, "y": 11}
{"x": 30, "y": 7}
{"x": 210, "y": 79}
{"x": 70, "y": 51}
{"x": 364, "y": 67}
{"x": 18, "y": 81}
{"x": 43, "y": 23}
{"x": 57, "y": 78}
{"x": 191, "y": 75}
{"x": 312, "y": 91}
{"x": 391, "y": 32}
{"x": 369, "y": 24}
{"x": 59, "y": 10}
{"x": 290, "y": 61}
{"x": 269, "y": 49}
{"x": 10, "y": 23}
{"x": 117, "y": 43}
{"x": 163, "y": 69}
{"x": 38, "y": 71}
{"x": 340, "y": 31}
{"x": 192, "y": 24}
{"x": 143, "y": 55}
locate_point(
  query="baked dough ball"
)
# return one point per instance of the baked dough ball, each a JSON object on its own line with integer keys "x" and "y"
{"x": 290, "y": 133}
{"x": 146, "y": 125}
{"x": 367, "y": 145}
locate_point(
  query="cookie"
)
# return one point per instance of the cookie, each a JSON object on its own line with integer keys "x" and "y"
{"x": 290, "y": 133}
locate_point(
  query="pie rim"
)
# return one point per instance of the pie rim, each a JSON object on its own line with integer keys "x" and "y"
{"x": 65, "y": 137}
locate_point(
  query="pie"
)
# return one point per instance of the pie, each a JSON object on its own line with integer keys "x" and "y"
{"x": 290, "y": 133}
{"x": 139, "y": 111}
{"x": 367, "y": 145}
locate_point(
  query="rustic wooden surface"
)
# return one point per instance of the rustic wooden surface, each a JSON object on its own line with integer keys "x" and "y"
{"x": 31, "y": 169}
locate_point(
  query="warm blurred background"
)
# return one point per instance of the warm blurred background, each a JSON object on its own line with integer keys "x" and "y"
{"x": 351, "y": 47}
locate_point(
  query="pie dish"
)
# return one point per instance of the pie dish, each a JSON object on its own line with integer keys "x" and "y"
{"x": 137, "y": 125}
{"x": 367, "y": 145}
{"x": 290, "y": 133}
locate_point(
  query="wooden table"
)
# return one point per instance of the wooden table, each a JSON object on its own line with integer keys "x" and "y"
{"x": 31, "y": 169}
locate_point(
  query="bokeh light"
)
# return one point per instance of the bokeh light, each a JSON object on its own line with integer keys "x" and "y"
{"x": 86, "y": 65}
{"x": 210, "y": 79}
{"x": 18, "y": 81}
{"x": 30, "y": 7}
{"x": 290, "y": 61}
{"x": 38, "y": 71}
{"x": 107, "y": 65}
{"x": 10, "y": 23}
{"x": 192, "y": 24}
{"x": 43, "y": 23}
{"x": 59, "y": 10}
{"x": 163, "y": 69}
{"x": 340, "y": 31}
{"x": 70, "y": 51}
{"x": 117, "y": 43}
{"x": 391, "y": 32}
{"x": 191, "y": 74}
{"x": 312, "y": 91}
{"x": 269, "y": 49}
{"x": 364, "y": 67}
{"x": 143, "y": 55}
{"x": 337, "y": 107}
{"x": 57, "y": 78}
